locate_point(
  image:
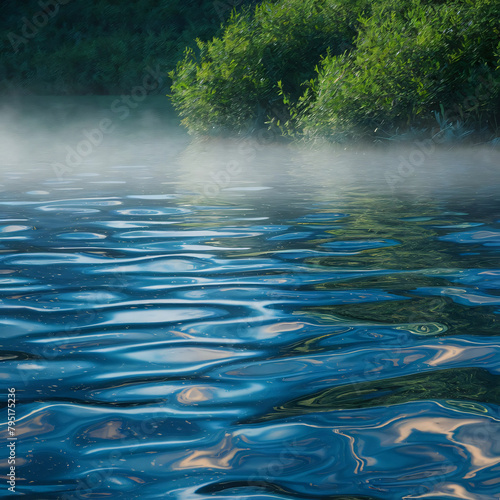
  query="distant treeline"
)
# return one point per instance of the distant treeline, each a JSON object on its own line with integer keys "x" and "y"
{"x": 307, "y": 68}
{"x": 99, "y": 46}
{"x": 347, "y": 69}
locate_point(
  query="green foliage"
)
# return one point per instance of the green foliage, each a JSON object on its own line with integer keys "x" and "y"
{"x": 346, "y": 69}
{"x": 412, "y": 59}
{"x": 99, "y": 46}
{"x": 238, "y": 79}
{"x": 313, "y": 68}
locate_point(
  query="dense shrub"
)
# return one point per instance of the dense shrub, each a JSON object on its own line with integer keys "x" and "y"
{"x": 337, "y": 68}
{"x": 412, "y": 60}
{"x": 232, "y": 84}
{"x": 345, "y": 69}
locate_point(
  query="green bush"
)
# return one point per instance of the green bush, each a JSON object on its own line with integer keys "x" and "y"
{"x": 412, "y": 59}
{"x": 345, "y": 69}
{"x": 235, "y": 81}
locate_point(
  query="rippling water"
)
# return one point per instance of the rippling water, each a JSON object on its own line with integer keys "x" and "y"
{"x": 231, "y": 323}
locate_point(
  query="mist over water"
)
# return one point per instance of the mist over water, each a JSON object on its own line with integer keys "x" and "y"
{"x": 242, "y": 318}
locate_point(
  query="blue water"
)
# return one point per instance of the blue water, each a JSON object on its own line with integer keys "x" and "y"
{"x": 281, "y": 334}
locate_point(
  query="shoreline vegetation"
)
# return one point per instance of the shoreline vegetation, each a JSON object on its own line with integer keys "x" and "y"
{"x": 308, "y": 71}
{"x": 348, "y": 71}
{"x": 98, "y": 47}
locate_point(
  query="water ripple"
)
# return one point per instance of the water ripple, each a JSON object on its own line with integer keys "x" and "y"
{"x": 315, "y": 343}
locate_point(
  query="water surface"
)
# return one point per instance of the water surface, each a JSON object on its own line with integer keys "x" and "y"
{"x": 237, "y": 320}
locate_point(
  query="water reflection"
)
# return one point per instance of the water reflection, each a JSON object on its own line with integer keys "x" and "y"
{"x": 268, "y": 323}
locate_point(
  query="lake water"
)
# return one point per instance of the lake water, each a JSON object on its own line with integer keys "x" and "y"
{"x": 236, "y": 319}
